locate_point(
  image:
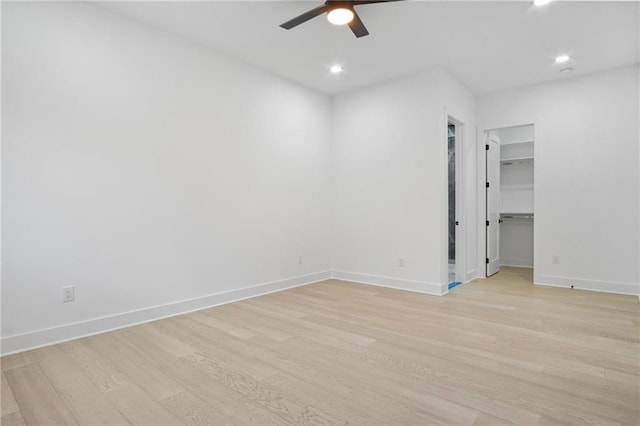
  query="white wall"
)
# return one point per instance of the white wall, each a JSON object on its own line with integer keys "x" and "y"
{"x": 146, "y": 171}
{"x": 517, "y": 134}
{"x": 586, "y": 176}
{"x": 390, "y": 180}
{"x": 516, "y": 242}
{"x": 460, "y": 104}
{"x": 159, "y": 177}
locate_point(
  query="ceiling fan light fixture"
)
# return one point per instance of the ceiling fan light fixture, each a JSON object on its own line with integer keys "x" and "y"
{"x": 340, "y": 15}
{"x": 339, "y": 12}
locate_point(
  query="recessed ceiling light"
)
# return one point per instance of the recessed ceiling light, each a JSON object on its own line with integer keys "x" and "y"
{"x": 541, "y": 2}
{"x": 336, "y": 69}
{"x": 340, "y": 15}
{"x": 562, "y": 59}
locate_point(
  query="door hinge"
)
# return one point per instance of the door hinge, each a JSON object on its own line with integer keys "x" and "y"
{"x": 487, "y": 223}
{"x": 487, "y": 260}
{"x": 486, "y": 147}
{"x": 487, "y": 184}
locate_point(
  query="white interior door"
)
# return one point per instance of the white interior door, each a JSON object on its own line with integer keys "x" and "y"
{"x": 493, "y": 204}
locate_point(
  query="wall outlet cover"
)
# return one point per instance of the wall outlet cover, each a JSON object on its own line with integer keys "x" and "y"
{"x": 68, "y": 294}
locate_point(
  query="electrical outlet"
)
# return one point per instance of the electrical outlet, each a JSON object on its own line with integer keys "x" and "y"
{"x": 299, "y": 260}
{"x": 68, "y": 294}
{"x": 401, "y": 262}
{"x": 555, "y": 259}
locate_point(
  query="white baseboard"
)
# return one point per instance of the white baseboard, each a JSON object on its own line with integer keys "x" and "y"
{"x": 585, "y": 284}
{"x": 471, "y": 275}
{"x": 518, "y": 263}
{"x": 397, "y": 283}
{"x": 36, "y": 339}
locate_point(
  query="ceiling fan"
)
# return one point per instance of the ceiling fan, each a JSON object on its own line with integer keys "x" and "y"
{"x": 338, "y": 13}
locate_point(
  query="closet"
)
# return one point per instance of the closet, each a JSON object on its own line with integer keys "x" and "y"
{"x": 516, "y": 196}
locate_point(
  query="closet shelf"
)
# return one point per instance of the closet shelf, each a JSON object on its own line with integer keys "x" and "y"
{"x": 516, "y": 161}
{"x": 529, "y": 141}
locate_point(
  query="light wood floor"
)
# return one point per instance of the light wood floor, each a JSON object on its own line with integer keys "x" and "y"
{"x": 495, "y": 351}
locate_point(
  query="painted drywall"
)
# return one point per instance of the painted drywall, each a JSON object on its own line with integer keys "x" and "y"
{"x": 517, "y": 134}
{"x": 586, "y": 176}
{"x": 161, "y": 177}
{"x": 389, "y": 152}
{"x": 147, "y": 171}
{"x": 516, "y": 242}
{"x": 460, "y": 103}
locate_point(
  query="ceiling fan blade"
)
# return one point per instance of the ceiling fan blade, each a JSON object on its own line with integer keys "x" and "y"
{"x": 304, "y": 17}
{"x": 357, "y": 26}
{"x": 358, "y": 2}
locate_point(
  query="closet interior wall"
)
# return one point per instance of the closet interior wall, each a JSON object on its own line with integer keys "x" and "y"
{"x": 516, "y": 196}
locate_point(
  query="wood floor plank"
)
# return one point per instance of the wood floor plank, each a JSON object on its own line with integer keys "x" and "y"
{"x": 8, "y": 404}
{"x": 192, "y": 410}
{"x": 227, "y": 350}
{"x": 95, "y": 366}
{"x": 39, "y": 402}
{"x": 12, "y": 419}
{"x": 245, "y": 318}
{"x": 17, "y": 360}
{"x": 305, "y": 387}
{"x": 362, "y": 399}
{"x": 81, "y": 395}
{"x": 139, "y": 408}
{"x": 224, "y": 326}
{"x": 259, "y": 393}
{"x": 491, "y": 352}
{"x": 136, "y": 365}
{"x": 215, "y": 393}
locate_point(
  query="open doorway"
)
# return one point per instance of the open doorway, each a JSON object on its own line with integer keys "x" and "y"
{"x": 509, "y": 198}
{"x": 454, "y": 204}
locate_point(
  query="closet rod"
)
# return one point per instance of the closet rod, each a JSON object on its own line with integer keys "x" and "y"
{"x": 516, "y": 216}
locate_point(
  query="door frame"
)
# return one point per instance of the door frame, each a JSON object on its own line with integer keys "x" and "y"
{"x": 538, "y": 210}
{"x": 460, "y": 200}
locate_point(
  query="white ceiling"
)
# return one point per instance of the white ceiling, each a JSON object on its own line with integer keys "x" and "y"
{"x": 488, "y": 46}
